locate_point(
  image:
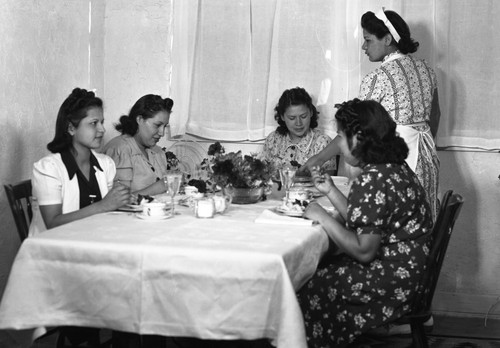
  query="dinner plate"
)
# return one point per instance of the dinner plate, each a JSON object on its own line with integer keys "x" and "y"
{"x": 302, "y": 179}
{"x": 134, "y": 208}
{"x": 303, "y": 184}
{"x": 292, "y": 213}
{"x": 152, "y": 218}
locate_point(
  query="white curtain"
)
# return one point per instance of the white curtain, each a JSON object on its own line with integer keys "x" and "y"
{"x": 232, "y": 59}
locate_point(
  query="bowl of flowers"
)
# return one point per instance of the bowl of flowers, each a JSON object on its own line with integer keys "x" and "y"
{"x": 246, "y": 178}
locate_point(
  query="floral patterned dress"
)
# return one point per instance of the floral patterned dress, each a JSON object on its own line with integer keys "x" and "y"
{"x": 405, "y": 86}
{"x": 345, "y": 298}
{"x": 280, "y": 150}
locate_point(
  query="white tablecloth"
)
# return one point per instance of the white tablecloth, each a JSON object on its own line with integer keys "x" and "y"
{"x": 221, "y": 278}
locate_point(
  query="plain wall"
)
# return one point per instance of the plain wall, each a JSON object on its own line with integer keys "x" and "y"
{"x": 44, "y": 53}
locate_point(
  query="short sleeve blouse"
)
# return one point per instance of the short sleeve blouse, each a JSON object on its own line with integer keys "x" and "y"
{"x": 52, "y": 185}
{"x": 132, "y": 165}
{"x": 280, "y": 150}
{"x": 404, "y": 86}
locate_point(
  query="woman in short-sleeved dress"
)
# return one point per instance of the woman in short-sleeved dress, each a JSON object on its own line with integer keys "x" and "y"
{"x": 74, "y": 182}
{"x": 405, "y": 86}
{"x": 296, "y": 138}
{"x": 140, "y": 163}
{"x": 351, "y": 292}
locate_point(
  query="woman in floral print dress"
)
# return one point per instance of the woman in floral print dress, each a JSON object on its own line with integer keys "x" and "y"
{"x": 296, "y": 138}
{"x": 379, "y": 243}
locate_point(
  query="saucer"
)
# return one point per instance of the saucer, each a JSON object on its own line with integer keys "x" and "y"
{"x": 303, "y": 184}
{"x": 131, "y": 208}
{"x": 152, "y": 218}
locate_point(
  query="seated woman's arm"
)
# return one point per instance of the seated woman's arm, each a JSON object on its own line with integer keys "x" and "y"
{"x": 329, "y": 152}
{"x": 362, "y": 247}
{"x": 125, "y": 172}
{"x": 325, "y": 185}
{"x": 51, "y": 190}
{"x": 52, "y": 214}
{"x": 156, "y": 188}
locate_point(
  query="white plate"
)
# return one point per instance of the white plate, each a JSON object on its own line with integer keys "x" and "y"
{"x": 303, "y": 179}
{"x": 152, "y": 218}
{"x": 292, "y": 213}
{"x": 303, "y": 184}
{"x": 133, "y": 208}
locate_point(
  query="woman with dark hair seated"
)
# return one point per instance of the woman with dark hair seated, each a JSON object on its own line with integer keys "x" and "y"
{"x": 296, "y": 138}
{"x": 381, "y": 239}
{"x": 75, "y": 181}
{"x": 140, "y": 163}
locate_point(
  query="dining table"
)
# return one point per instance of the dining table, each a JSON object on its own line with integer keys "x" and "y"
{"x": 233, "y": 276}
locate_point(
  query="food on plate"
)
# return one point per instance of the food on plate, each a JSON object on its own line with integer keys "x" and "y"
{"x": 190, "y": 190}
{"x": 293, "y": 205}
{"x": 201, "y": 185}
{"x": 142, "y": 199}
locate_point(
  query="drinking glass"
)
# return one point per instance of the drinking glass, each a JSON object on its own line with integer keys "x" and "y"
{"x": 173, "y": 179}
{"x": 286, "y": 175}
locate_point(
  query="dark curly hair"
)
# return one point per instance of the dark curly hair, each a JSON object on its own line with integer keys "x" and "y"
{"x": 294, "y": 96}
{"x": 374, "y": 130}
{"x": 147, "y": 106}
{"x": 375, "y": 26}
{"x": 72, "y": 110}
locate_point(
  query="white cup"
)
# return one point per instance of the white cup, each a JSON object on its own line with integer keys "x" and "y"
{"x": 154, "y": 209}
{"x": 222, "y": 202}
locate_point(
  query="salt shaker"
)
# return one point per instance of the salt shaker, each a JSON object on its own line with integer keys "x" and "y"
{"x": 204, "y": 208}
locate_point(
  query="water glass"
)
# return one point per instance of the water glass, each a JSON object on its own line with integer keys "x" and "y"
{"x": 287, "y": 174}
{"x": 173, "y": 180}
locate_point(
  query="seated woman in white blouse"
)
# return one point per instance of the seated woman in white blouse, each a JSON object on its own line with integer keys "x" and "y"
{"x": 296, "y": 139}
{"x": 140, "y": 163}
{"x": 74, "y": 181}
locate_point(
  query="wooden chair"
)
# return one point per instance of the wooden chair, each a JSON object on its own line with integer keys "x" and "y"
{"x": 421, "y": 308}
{"x": 19, "y": 196}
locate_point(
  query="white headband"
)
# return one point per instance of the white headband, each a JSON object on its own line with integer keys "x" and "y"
{"x": 381, "y": 15}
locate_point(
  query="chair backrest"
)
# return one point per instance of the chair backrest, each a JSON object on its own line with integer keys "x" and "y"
{"x": 441, "y": 233}
{"x": 19, "y": 196}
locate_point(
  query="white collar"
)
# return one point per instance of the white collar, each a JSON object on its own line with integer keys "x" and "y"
{"x": 392, "y": 56}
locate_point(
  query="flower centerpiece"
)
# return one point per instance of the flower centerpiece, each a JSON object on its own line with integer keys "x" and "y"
{"x": 244, "y": 177}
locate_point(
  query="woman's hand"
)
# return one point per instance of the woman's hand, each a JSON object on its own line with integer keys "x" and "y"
{"x": 323, "y": 182}
{"x": 329, "y": 152}
{"x": 313, "y": 161}
{"x": 117, "y": 197}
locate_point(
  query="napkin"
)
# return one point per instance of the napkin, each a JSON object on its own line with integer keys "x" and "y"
{"x": 269, "y": 217}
